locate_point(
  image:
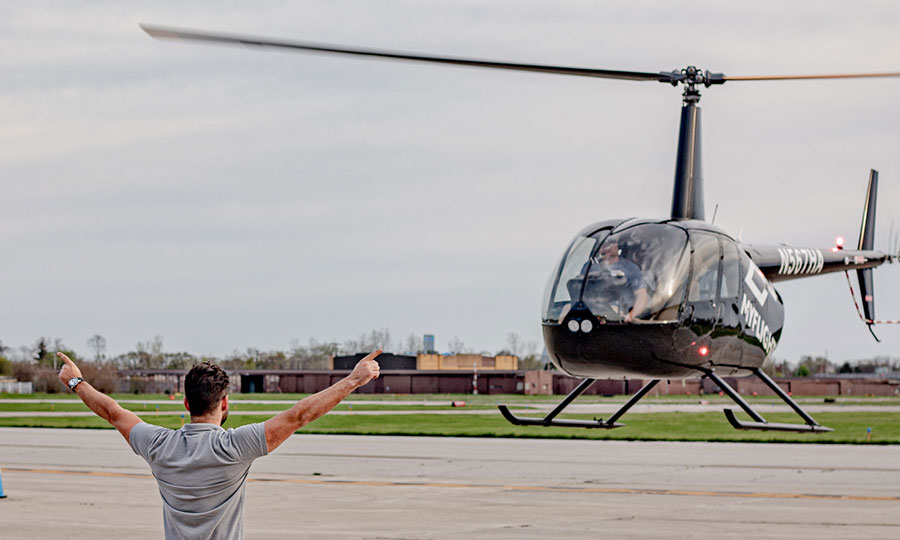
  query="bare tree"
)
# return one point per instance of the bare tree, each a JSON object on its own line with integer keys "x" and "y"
{"x": 375, "y": 339}
{"x": 44, "y": 352}
{"x": 456, "y": 346}
{"x": 414, "y": 344}
{"x": 531, "y": 359}
{"x": 514, "y": 344}
{"x": 150, "y": 354}
{"x": 23, "y": 354}
{"x": 97, "y": 343}
{"x": 313, "y": 356}
{"x": 381, "y": 339}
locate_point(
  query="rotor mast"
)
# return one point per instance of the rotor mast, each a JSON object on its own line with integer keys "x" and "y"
{"x": 687, "y": 195}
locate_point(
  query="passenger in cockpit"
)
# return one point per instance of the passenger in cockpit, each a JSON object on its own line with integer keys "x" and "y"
{"x": 615, "y": 286}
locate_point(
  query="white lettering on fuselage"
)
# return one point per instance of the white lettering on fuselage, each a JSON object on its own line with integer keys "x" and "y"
{"x": 795, "y": 261}
{"x": 756, "y": 326}
{"x": 762, "y": 293}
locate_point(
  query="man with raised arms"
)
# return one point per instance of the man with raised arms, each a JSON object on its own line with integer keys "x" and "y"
{"x": 202, "y": 468}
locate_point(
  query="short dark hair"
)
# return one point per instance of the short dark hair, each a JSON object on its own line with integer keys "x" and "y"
{"x": 204, "y": 386}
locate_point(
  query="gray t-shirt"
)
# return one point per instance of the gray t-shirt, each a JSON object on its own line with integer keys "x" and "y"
{"x": 201, "y": 470}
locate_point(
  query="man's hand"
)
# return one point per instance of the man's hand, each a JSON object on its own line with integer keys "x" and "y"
{"x": 366, "y": 370}
{"x": 282, "y": 425}
{"x": 641, "y": 299}
{"x": 102, "y": 405}
{"x": 69, "y": 369}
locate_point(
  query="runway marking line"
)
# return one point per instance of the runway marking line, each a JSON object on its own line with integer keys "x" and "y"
{"x": 554, "y": 489}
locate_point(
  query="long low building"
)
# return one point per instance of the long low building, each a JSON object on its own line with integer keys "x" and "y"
{"x": 432, "y": 361}
{"x": 414, "y": 381}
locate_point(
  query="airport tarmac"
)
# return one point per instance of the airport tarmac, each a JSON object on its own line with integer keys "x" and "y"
{"x": 81, "y": 484}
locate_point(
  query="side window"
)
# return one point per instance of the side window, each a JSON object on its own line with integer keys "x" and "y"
{"x": 571, "y": 278}
{"x": 731, "y": 272}
{"x": 705, "y": 277}
{"x": 565, "y": 284}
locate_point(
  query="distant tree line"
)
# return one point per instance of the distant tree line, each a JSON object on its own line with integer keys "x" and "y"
{"x": 810, "y": 365}
{"x": 38, "y": 362}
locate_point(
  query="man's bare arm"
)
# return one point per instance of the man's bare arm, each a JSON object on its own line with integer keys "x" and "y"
{"x": 103, "y": 406}
{"x": 282, "y": 426}
{"x": 641, "y": 299}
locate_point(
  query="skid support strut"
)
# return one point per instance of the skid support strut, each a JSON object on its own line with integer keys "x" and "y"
{"x": 550, "y": 419}
{"x": 759, "y": 422}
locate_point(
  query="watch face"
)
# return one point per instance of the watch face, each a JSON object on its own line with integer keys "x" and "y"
{"x": 73, "y": 382}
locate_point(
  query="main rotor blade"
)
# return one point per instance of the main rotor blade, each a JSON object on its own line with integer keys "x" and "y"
{"x": 160, "y": 32}
{"x": 811, "y": 77}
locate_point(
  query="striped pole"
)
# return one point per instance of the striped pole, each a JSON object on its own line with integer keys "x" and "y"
{"x": 858, "y": 312}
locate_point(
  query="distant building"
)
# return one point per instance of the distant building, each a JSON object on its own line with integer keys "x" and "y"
{"x": 466, "y": 362}
{"x": 429, "y": 344}
{"x": 386, "y": 361}
{"x": 10, "y": 385}
{"x": 432, "y": 362}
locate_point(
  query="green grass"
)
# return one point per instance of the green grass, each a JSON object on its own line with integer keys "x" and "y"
{"x": 235, "y": 406}
{"x": 850, "y": 428}
{"x": 489, "y": 400}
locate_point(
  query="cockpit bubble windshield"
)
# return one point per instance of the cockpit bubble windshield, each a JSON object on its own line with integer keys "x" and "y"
{"x": 636, "y": 275}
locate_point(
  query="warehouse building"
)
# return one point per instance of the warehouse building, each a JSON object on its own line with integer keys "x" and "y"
{"x": 461, "y": 381}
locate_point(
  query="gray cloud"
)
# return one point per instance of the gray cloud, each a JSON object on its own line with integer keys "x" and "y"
{"x": 226, "y": 198}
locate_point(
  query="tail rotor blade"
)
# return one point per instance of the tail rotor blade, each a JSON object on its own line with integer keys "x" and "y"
{"x": 814, "y": 77}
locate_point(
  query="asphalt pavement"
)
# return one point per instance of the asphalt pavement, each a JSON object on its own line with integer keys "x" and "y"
{"x": 80, "y": 484}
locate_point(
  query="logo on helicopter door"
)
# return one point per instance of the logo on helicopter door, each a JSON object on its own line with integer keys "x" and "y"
{"x": 760, "y": 293}
{"x": 756, "y": 325}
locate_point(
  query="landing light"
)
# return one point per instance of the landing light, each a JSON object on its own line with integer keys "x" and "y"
{"x": 839, "y": 242}
{"x": 704, "y": 350}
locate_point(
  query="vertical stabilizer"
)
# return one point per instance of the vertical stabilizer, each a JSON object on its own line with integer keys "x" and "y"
{"x": 867, "y": 242}
{"x": 867, "y": 227}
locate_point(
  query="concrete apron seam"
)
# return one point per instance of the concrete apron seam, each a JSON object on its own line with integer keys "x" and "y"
{"x": 532, "y": 488}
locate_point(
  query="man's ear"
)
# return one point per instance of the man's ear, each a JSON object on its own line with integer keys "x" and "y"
{"x": 186, "y": 406}
{"x": 225, "y": 403}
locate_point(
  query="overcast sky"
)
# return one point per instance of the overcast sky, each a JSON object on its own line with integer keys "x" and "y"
{"x": 226, "y": 198}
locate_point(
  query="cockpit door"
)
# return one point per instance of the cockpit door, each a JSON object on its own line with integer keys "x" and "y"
{"x": 702, "y": 307}
{"x": 730, "y": 285}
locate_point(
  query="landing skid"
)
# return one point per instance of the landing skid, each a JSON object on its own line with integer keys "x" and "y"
{"x": 759, "y": 422}
{"x": 550, "y": 419}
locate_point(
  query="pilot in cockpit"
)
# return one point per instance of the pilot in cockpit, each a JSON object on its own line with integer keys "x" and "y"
{"x": 615, "y": 287}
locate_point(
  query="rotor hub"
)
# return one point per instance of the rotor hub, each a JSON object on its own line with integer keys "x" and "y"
{"x": 691, "y": 77}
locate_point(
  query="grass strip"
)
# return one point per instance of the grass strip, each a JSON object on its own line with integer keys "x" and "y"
{"x": 234, "y": 406}
{"x": 493, "y": 399}
{"x": 850, "y": 427}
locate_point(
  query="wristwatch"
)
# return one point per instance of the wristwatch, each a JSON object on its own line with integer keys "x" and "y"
{"x": 73, "y": 382}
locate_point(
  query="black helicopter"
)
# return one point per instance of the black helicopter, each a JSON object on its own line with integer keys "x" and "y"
{"x": 666, "y": 298}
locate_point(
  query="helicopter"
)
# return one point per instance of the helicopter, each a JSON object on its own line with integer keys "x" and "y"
{"x": 659, "y": 298}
